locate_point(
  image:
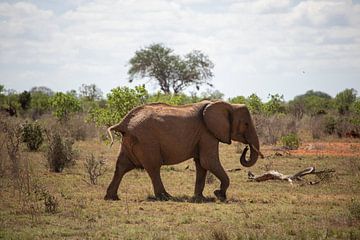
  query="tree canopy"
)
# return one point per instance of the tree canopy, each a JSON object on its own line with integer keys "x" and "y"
{"x": 172, "y": 72}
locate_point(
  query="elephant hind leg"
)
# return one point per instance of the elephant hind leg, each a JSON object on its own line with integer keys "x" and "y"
{"x": 200, "y": 181}
{"x": 123, "y": 165}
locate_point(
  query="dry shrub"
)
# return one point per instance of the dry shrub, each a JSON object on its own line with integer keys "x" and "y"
{"x": 317, "y": 126}
{"x": 271, "y": 128}
{"x": 79, "y": 129}
{"x": 219, "y": 234}
{"x": 2, "y": 154}
{"x": 76, "y": 127}
{"x": 59, "y": 153}
{"x": 354, "y": 209}
{"x": 31, "y": 194}
{"x": 11, "y": 134}
{"x": 94, "y": 168}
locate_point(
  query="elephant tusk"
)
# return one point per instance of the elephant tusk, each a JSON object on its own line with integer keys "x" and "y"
{"x": 257, "y": 150}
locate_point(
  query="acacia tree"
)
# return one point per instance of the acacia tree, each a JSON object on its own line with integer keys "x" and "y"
{"x": 172, "y": 72}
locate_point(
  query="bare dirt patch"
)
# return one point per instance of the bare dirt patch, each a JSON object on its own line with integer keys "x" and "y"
{"x": 343, "y": 149}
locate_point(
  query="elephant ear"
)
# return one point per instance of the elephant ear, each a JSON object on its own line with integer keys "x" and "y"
{"x": 217, "y": 117}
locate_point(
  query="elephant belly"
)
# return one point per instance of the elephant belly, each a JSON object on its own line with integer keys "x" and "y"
{"x": 176, "y": 154}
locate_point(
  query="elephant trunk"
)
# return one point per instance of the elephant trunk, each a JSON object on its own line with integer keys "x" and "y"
{"x": 254, "y": 153}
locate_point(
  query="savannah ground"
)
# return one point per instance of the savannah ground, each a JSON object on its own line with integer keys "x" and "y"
{"x": 255, "y": 210}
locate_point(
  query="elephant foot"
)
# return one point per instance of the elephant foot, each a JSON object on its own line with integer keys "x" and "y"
{"x": 220, "y": 195}
{"x": 199, "y": 199}
{"x": 110, "y": 197}
{"x": 163, "y": 196}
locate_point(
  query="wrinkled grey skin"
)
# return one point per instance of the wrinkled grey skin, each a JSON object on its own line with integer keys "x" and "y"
{"x": 159, "y": 134}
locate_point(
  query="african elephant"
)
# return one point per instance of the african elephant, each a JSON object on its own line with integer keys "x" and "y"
{"x": 159, "y": 134}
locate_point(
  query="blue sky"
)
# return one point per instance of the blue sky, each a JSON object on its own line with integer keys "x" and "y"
{"x": 257, "y": 46}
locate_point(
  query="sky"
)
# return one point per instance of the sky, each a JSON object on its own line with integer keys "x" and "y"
{"x": 257, "y": 46}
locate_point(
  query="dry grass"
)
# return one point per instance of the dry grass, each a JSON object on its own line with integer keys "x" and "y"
{"x": 267, "y": 210}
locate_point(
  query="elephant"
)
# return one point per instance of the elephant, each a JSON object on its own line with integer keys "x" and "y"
{"x": 159, "y": 134}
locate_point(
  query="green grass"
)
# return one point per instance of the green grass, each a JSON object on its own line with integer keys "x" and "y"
{"x": 266, "y": 210}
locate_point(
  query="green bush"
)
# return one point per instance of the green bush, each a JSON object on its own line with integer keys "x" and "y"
{"x": 63, "y": 105}
{"x": 32, "y": 135}
{"x": 172, "y": 99}
{"x": 59, "y": 153}
{"x": 120, "y": 101}
{"x": 290, "y": 141}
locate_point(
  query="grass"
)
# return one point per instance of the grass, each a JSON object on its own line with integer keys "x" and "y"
{"x": 266, "y": 210}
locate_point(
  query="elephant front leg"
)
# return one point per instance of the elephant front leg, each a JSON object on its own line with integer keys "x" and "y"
{"x": 218, "y": 170}
{"x": 159, "y": 189}
{"x": 199, "y": 182}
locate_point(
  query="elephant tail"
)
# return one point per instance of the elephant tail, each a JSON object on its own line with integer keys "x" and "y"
{"x": 116, "y": 128}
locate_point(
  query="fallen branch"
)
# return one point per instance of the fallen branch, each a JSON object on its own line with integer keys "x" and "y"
{"x": 274, "y": 175}
{"x": 233, "y": 169}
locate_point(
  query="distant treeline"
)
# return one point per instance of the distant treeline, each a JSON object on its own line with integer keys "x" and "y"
{"x": 339, "y": 115}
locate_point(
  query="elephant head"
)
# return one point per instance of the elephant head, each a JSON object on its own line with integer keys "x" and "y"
{"x": 233, "y": 122}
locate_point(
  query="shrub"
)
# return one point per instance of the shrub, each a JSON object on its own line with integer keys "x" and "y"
{"x": 32, "y": 135}
{"x": 219, "y": 234}
{"x": 63, "y": 105}
{"x": 317, "y": 126}
{"x": 172, "y": 99}
{"x": 78, "y": 129}
{"x": 12, "y": 139}
{"x": 354, "y": 209}
{"x": 290, "y": 141}
{"x": 271, "y": 128}
{"x": 95, "y": 168}
{"x": 59, "y": 153}
{"x": 329, "y": 125}
{"x": 24, "y": 100}
{"x": 120, "y": 101}
{"x": 40, "y": 104}
{"x": 51, "y": 203}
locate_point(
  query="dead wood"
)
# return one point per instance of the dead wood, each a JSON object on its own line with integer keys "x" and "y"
{"x": 274, "y": 175}
{"x": 233, "y": 169}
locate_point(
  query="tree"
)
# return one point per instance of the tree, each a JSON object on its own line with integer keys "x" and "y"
{"x": 42, "y": 89}
{"x": 63, "y": 105}
{"x": 172, "y": 99}
{"x": 254, "y": 104}
{"x": 238, "y": 100}
{"x": 276, "y": 104}
{"x": 11, "y": 102}
{"x": 40, "y": 104}
{"x": 212, "y": 95}
{"x": 120, "y": 101}
{"x": 311, "y": 103}
{"x": 344, "y": 99}
{"x": 90, "y": 92}
{"x": 157, "y": 62}
{"x": 2, "y": 95}
{"x": 355, "y": 107}
{"x": 25, "y": 100}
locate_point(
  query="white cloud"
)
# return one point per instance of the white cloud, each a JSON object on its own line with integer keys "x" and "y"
{"x": 249, "y": 41}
